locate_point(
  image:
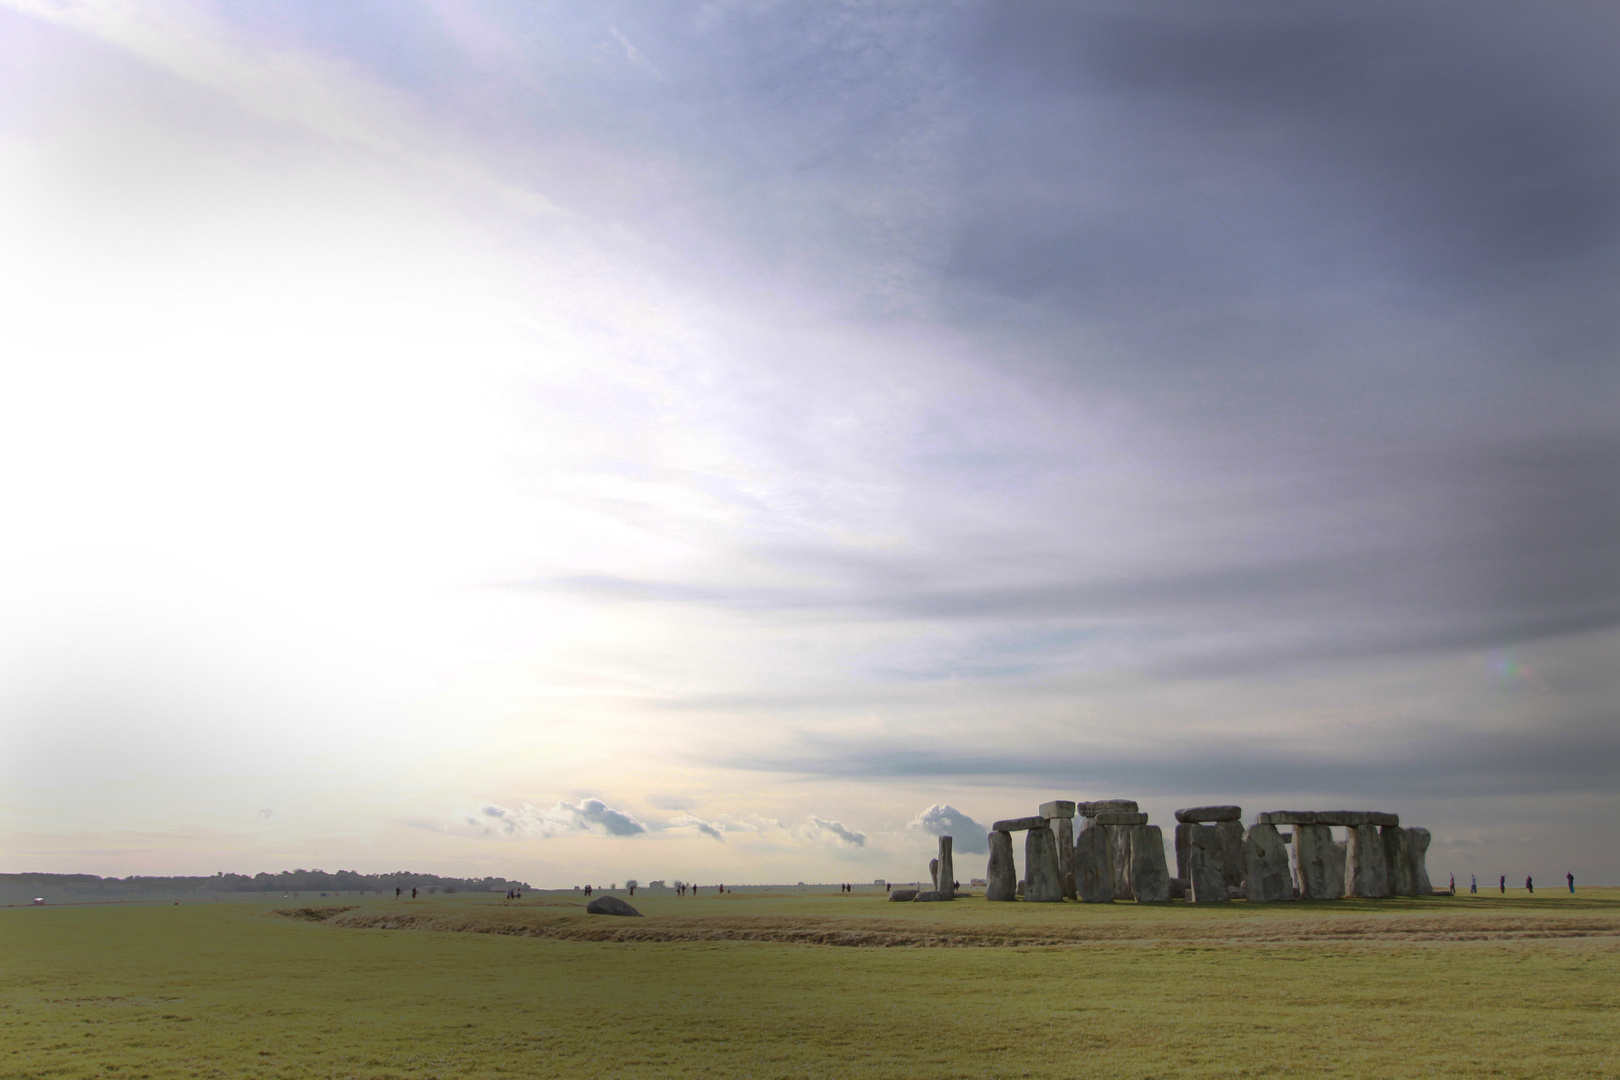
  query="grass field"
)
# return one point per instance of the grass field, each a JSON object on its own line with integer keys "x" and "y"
{"x": 814, "y": 985}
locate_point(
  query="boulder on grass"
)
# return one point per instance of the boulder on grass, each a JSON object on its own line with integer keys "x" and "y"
{"x": 611, "y": 905}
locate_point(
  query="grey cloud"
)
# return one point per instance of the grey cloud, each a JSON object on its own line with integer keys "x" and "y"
{"x": 943, "y": 819}
{"x": 710, "y": 829}
{"x": 528, "y": 822}
{"x": 839, "y": 831}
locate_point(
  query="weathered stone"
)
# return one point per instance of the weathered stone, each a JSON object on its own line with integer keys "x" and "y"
{"x": 1365, "y": 874}
{"x": 1344, "y": 818}
{"x": 1234, "y": 864}
{"x": 1093, "y": 863}
{"x": 1202, "y": 814}
{"x": 1206, "y": 865}
{"x": 928, "y": 895}
{"x": 1121, "y": 817}
{"x": 1001, "y": 878}
{"x": 1101, "y": 806}
{"x": 933, "y": 872}
{"x": 1150, "y": 879}
{"x": 1043, "y": 881}
{"x": 1266, "y": 877}
{"x": 1318, "y": 868}
{"x": 1417, "y": 843}
{"x": 897, "y": 896}
{"x": 1397, "y": 860}
{"x": 1057, "y": 808}
{"x": 1063, "y": 833}
{"x": 1119, "y": 847}
{"x": 1286, "y": 817}
{"x": 1375, "y": 817}
{"x": 945, "y": 879}
{"x": 1341, "y": 848}
{"x": 1183, "y": 846}
{"x": 1019, "y": 824}
{"x": 1178, "y": 888}
{"x": 610, "y": 905}
{"x": 1287, "y": 838}
{"x": 1020, "y": 888}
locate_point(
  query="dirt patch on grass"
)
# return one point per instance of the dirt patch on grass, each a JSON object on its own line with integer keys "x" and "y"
{"x": 909, "y": 933}
{"x": 312, "y": 914}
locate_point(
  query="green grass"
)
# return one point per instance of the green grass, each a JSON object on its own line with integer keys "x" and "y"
{"x": 1487, "y": 986}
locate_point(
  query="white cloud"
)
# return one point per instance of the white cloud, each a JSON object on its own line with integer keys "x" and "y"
{"x": 529, "y": 822}
{"x": 835, "y": 830}
{"x": 943, "y": 819}
{"x": 707, "y": 828}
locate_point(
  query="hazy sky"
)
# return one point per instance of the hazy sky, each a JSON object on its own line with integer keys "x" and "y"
{"x": 735, "y": 441}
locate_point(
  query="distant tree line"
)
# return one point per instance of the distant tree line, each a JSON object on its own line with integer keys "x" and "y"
{"x": 285, "y": 881}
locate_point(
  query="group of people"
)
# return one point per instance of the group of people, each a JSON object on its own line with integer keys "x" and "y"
{"x": 398, "y": 891}
{"x": 1501, "y": 883}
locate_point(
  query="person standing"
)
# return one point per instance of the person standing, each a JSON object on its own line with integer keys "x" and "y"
{"x": 1503, "y": 883}
{"x": 1529, "y": 886}
{"x": 1473, "y": 883}
{"x": 1453, "y": 884}
{"x": 1571, "y": 878}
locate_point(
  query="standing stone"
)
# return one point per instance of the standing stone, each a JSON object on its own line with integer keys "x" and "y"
{"x": 1063, "y": 828}
{"x": 1317, "y": 866}
{"x": 1093, "y": 863}
{"x": 1042, "y": 882}
{"x": 1001, "y": 878}
{"x": 945, "y": 870}
{"x": 1150, "y": 878}
{"x": 1417, "y": 842}
{"x": 1364, "y": 869}
{"x": 1233, "y": 861}
{"x": 1119, "y": 849}
{"x": 1206, "y": 863}
{"x": 1397, "y": 860}
{"x": 1341, "y": 849}
{"x": 933, "y": 872}
{"x": 1183, "y": 846}
{"x": 1266, "y": 866}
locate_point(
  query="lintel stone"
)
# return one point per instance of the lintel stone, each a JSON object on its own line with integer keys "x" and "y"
{"x": 1121, "y": 817}
{"x": 1058, "y": 808}
{"x": 1205, "y": 814}
{"x": 1019, "y": 824}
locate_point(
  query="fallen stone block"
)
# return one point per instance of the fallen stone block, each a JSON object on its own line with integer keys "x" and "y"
{"x": 1200, "y": 815}
{"x": 610, "y": 905}
{"x": 1058, "y": 808}
{"x": 929, "y": 895}
{"x": 1043, "y": 884}
{"x": 1266, "y": 876}
{"x": 1001, "y": 877}
{"x": 1120, "y": 817}
{"x": 897, "y": 896}
{"x": 1093, "y": 863}
{"x": 1019, "y": 824}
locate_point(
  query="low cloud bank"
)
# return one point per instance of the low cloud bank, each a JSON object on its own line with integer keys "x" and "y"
{"x": 531, "y": 823}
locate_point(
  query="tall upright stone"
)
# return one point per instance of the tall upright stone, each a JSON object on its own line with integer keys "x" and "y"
{"x": 945, "y": 870}
{"x": 1150, "y": 877}
{"x": 1365, "y": 874}
{"x": 1119, "y": 846}
{"x": 1093, "y": 863}
{"x": 1417, "y": 842}
{"x": 1318, "y": 867}
{"x": 1063, "y": 831}
{"x": 933, "y": 872}
{"x": 1183, "y": 846}
{"x": 1001, "y": 876}
{"x": 1041, "y": 881}
{"x": 1234, "y": 865}
{"x": 1266, "y": 876}
{"x": 1398, "y": 860}
{"x": 1206, "y": 866}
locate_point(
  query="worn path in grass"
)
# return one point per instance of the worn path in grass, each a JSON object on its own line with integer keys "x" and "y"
{"x": 1517, "y": 987}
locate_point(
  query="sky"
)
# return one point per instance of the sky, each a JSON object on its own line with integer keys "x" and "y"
{"x": 740, "y": 442}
